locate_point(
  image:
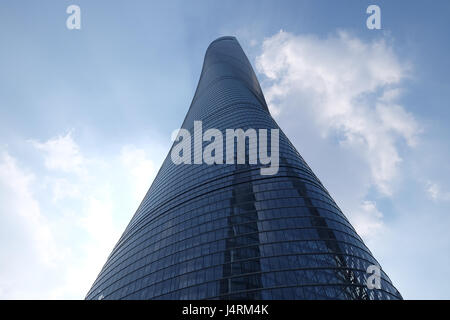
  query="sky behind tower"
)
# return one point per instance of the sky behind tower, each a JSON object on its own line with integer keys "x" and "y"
{"x": 86, "y": 118}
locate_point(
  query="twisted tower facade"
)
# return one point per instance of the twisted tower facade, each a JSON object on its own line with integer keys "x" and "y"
{"x": 225, "y": 231}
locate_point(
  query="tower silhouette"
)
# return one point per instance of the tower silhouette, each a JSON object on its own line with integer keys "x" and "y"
{"x": 224, "y": 231}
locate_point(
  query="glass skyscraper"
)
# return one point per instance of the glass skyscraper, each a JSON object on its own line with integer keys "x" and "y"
{"x": 225, "y": 231}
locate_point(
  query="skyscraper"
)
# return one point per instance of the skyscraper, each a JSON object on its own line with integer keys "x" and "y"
{"x": 225, "y": 231}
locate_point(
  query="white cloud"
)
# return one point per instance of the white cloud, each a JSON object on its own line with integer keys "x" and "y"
{"x": 60, "y": 224}
{"x": 349, "y": 87}
{"x": 27, "y": 243}
{"x": 61, "y": 153}
{"x": 435, "y": 192}
{"x": 17, "y": 199}
{"x": 142, "y": 169}
{"x": 368, "y": 220}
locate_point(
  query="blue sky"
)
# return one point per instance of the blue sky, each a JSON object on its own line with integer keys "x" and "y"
{"x": 86, "y": 117}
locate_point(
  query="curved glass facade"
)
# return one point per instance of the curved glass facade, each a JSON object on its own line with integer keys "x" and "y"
{"x": 228, "y": 232}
